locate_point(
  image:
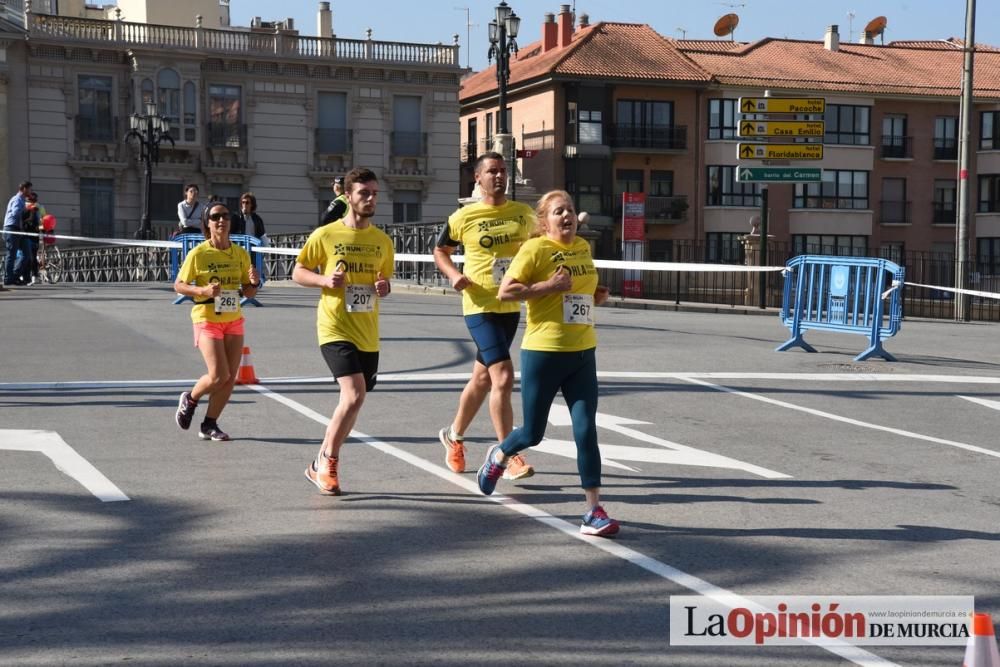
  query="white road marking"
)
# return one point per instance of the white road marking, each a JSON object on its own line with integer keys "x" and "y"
{"x": 982, "y": 401}
{"x": 678, "y": 455}
{"x": 65, "y": 459}
{"x": 608, "y": 375}
{"x": 699, "y": 586}
{"x": 848, "y": 420}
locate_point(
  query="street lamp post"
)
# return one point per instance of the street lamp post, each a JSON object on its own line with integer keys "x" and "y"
{"x": 148, "y": 130}
{"x": 503, "y": 31}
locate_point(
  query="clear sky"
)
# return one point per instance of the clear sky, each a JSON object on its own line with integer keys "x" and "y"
{"x": 435, "y": 21}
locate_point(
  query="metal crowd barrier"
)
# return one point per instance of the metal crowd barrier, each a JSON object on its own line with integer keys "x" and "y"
{"x": 842, "y": 294}
{"x": 189, "y": 241}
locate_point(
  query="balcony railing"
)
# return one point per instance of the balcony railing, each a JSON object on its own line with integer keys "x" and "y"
{"x": 408, "y": 144}
{"x": 893, "y": 211}
{"x": 99, "y": 129}
{"x": 337, "y": 141}
{"x": 944, "y": 213}
{"x": 945, "y": 149}
{"x": 66, "y": 29}
{"x": 226, "y": 135}
{"x": 668, "y": 210}
{"x": 894, "y": 146}
{"x": 662, "y": 137}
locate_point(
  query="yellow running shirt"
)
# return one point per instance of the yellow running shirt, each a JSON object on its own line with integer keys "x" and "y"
{"x": 349, "y": 313}
{"x": 491, "y": 236}
{"x": 563, "y": 321}
{"x": 205, "y": 265}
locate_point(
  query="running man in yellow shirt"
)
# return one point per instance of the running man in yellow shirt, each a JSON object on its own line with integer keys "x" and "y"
{"x": 355, "y": 262}
{"x": 491, "y": 231}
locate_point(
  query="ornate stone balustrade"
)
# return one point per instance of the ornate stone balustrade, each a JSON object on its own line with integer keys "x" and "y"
{"x": 125, "y": 34}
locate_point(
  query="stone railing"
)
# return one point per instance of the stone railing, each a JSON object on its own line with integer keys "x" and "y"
{"x": 122, "y": 33}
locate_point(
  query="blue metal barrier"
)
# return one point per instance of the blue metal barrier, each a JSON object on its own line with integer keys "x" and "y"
{"x": 189, "y": 241}
{"x": 842, "y": 294}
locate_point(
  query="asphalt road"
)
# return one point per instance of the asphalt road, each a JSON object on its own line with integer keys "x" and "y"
{"x": 729, "y": 465}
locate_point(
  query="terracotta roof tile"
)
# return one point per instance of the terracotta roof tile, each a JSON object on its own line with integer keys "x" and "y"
{"x": 602, "y": 50}
{"x": 874, "y": 69}
{"x": 708, "y": 45}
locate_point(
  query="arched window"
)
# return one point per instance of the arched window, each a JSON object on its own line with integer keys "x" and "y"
{"x": 168, "y": 82}
{"x": 146, "y": 94}
{"x": 190, "y": 111}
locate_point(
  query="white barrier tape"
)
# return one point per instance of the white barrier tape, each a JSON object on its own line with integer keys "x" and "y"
{"x": 599, "y": 263}
{"x": 895, "y": 286}
{"x": 88, "y": 239}
{"x": 954, "y": 290}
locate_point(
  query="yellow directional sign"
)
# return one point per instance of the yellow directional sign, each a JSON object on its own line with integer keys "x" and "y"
{"x": 782, "y": 104}
{"x": 779, "y": 151}
{"x": 781, "y": 128}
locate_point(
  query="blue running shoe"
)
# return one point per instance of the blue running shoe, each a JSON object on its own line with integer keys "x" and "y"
{"x": 490, "y": 472}
{"x": 597, "y": 522}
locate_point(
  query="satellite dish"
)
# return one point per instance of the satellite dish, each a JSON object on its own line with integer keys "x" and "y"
{"x": 726, "y": 25}
{"x": 876, "y": 27}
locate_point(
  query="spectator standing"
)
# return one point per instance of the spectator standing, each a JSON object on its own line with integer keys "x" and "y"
{"x": 31, "y": 222}
{"x": 13, "y": 243}
{"x": 189, "y": 211}
{"x": 247, "y": 221}
{"x": 338, "y": 205}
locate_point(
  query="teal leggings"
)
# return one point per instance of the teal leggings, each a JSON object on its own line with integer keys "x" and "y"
{"x": 543, "y": 374}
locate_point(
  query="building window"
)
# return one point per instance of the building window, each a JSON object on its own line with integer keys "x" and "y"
{"x": 97, "y": 207}
{"x": 988, "y": 255}
{"x": 892, "y": 251}
{"x": 945, "y": 138}
{"x": 408, "y": 140}
{"x": 944, "y": 202}
{"x": 95, "y": 122}
{"x": 847, "y": 124}
{"x": 147, "y": 95}
{"x": 190, "y": 112}
{"x": 589, "y": 198}
{"x": 647, "y": 124}
{"x": 724, "y": 190}
{"x": 331, "y": 124}
{"x": 724, "y": 248}
{"x": 489, "y": 131}
{"x": 661, "y": 183}
{"x": 661, "y": 250}
{"x": 894, "y": 209}
{"x": 227, "y": 193}
{"x": 163, "y": 200}
{"x": 584, "y": 126}
{"x": 168, "y": 96}
{"x": 225, "y": 127}
{"x": 406, "y": 206}
{"x": 895, "y": 143}
{"x": 471, "y": 151}
{"x": 722, "y": 119}
{"x": 839, "y": 189}
{"x": 830, "y": 244}
{"x": 989, "y": 193}
{"x": 989, "y": 131}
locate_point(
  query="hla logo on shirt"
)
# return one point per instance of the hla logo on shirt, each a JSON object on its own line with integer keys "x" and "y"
{"x": 487, "y": 225}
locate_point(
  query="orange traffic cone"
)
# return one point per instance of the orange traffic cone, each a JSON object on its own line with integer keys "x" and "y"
{"x": 246, "y": 375}
{"x": 981, "y": 651}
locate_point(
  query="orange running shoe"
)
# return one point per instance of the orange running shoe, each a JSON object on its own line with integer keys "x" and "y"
{"x": 455, "y": 458}
{"x": 517, "y": 468}
{"x": 326, "y": 479}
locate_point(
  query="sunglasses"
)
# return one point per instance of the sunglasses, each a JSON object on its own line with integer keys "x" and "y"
{"x": 215, "y": 217}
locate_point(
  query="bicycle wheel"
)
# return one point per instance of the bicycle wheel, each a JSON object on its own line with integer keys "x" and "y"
{"x": 53, "y": 264}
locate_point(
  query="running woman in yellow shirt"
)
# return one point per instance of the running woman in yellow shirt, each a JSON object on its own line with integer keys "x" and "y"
{"x": 215, "y": 274}
{"x": 355, "y": 261}
{"x": 555, "y": 274}
{"x": 490, "y": 231}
